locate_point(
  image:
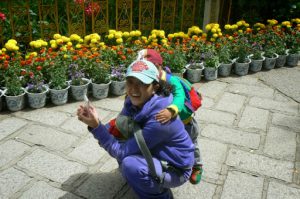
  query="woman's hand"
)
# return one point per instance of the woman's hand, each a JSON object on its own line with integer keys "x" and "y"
{"x": 88, "y": 115}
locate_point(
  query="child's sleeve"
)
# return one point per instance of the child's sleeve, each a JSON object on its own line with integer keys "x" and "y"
{"x": 178, "y": 96}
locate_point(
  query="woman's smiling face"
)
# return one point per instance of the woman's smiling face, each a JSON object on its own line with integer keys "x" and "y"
{"x": 138, "y": 92}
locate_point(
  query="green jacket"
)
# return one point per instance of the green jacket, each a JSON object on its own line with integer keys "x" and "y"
{"x": 178, "y": 105}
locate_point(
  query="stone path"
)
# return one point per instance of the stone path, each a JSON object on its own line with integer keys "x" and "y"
{"x": 250, "y": 142}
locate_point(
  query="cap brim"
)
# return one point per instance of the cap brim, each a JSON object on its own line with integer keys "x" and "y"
{"x": 143, "y": 78}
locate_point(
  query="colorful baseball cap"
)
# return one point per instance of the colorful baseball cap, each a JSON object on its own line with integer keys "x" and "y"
{"x": 150, "y": 55}
{"x": 143, "y": 70}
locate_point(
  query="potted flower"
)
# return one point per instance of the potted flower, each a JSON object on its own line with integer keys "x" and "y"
{"x": 280, "y": 49}
{"x": 175, "y": 59}
{"x": 100, "y": 77}
{"x": 117, "y": 86}
{"x": 195, "y": 66}
{"x": 211, "y": 62}
{"x": 79, "y": 84}
{"x": 269, "y": 47}
{"x": 241, "y": 49}
{"x": 36, "y": 89}
{"x": 293, "y": 45}
{"x": 256, "y": 51}
{"x": 58, "y": 86}
{"x": 224, "y": 53}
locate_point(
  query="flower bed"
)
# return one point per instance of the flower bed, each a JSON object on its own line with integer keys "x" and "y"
{"x": 105, "y": 58}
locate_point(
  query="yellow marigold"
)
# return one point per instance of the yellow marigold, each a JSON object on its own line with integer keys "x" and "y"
{"x": 3, "y": 49}
{"x": 239, "y": 23}
{"x": 230, "y": 38}
{"x": 119, "y": 40}
{"x": 164, "y": 41}
{"x": 171, "y": 36}
{"x": 69, "y": 44}
{"x": 59, "y": 41}
{"x": 213, "y": 30}
{"x": 65, "y": 39}
{"x": 66, "y": 56}
{"x": 63, "y": 48}
{"x": 56, "y": 36}
{"x": 54, "y": 45}
{"x": 132, "y": 33}
{"x": 234, "y": 26}
{"x": 138, "y": 33}
{"x": 215, "y": 35}
{"x": 220, "y": 34}
{"x": 78, "y": 46}
{"x": 74, "y": 37}
{"x": 208, "y": 27}
{"x": 126, "y": 34}
{"x": 94, "y": 41}
{"x": 34, "y": 54}
{"x": 240, "y": 31}
{"x": 227, "y": 26}
{"x": 118, "y": 34}
{"x": 212, "y": 39}
{"x": 110, "y": 36}
{"x": 246, "y": 24}
{"x": 111, "y": 31}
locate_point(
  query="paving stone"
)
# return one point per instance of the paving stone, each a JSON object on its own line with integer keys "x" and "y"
{"x": 207, "y": 91}
{"x": 51, "y": 166}
{"x": 109, "y": 165}
{"x": 274, "y": 105}
{"x": 207, "y": 102}
{"x": 232, "y": 136}
{"x": 231, "y": 102}
{"x": 189, "y": 191}
{"x": 213, "y": 116}
{"x": 44, "y": 115}
{"x": 241, "y": 80}
{"x": 11, "y": 181}
{"x": 281, "y": 144}
{"x": 10, "y": 125}
{"x": 101, "y": 185}
{"x": 70, "y": 108}
{"x": 89, "y": 151}
{"x": 251, "y": 90}
{"x": 213, "y": 154}
{"x": 42, "y": 190}
{"x": 74, "y": 125}
{"x": 241, "y": 185}
{"x": 114, "y": 104}
{"x": 263, "y": 165}
{"x": 11, "y": 150}
{"x": 282, "y": 98}
{"x": 46, "y": 136}
{"x": 254, "y": 118}
{"x": 288, "y": 121}
{"x": 282, "y": 191}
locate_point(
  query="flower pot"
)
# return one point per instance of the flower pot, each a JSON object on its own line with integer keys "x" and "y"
{"x": 292, "y": 60}
{"x": 256, "y": 64}
{"x": 179, "y": 74}
{"x": 224, "y": 70}
{"x": 59, "y": 97}
{"x": 78, "y": 92}
{"x": 37, "y": 100}
{"x": 280, "y": 61}
{"x": 15, "y": 103}
{"x": 100, "y": 91}
{"x": 117, "y": 87}
{"x": 270, "y": 62}
{"x": 1, "y": 104}
{"x": 210, "y": 73}
{"x": 194, "y": 72}
{"x": 241, "y": 69}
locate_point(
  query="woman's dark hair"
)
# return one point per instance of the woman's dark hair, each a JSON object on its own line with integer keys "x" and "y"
{"x": 164, "y": 89}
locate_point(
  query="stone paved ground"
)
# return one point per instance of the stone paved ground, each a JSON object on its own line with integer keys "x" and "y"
{"x": 250, "y": 142}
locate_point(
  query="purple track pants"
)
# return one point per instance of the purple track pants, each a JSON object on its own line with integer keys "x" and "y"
{"x": 136, "y": 172}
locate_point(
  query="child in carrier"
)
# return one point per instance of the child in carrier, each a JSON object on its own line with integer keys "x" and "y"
{"x": 184, "y": 98}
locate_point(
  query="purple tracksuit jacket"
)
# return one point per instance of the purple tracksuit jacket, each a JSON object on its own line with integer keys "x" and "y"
{"x": 167, "y": 142}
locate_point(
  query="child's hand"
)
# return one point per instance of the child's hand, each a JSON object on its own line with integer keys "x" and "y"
{"x": 164, "y": 116}
{"x": 88, "y": 115}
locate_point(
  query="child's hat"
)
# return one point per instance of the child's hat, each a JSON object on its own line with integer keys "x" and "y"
{"x": 143, "y": 70}
{"x": 150, "y": 55}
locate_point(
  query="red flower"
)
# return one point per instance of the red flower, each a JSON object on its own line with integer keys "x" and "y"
{"x": 92, "y": 8}
{"x": 23, "y": 72}
{"x": 2, "y": 16}
{"x": 38, "y": 68}
{"x": 31, "y": 74}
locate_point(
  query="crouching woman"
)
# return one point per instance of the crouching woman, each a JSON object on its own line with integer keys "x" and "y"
{"x": 170, "y": 145}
